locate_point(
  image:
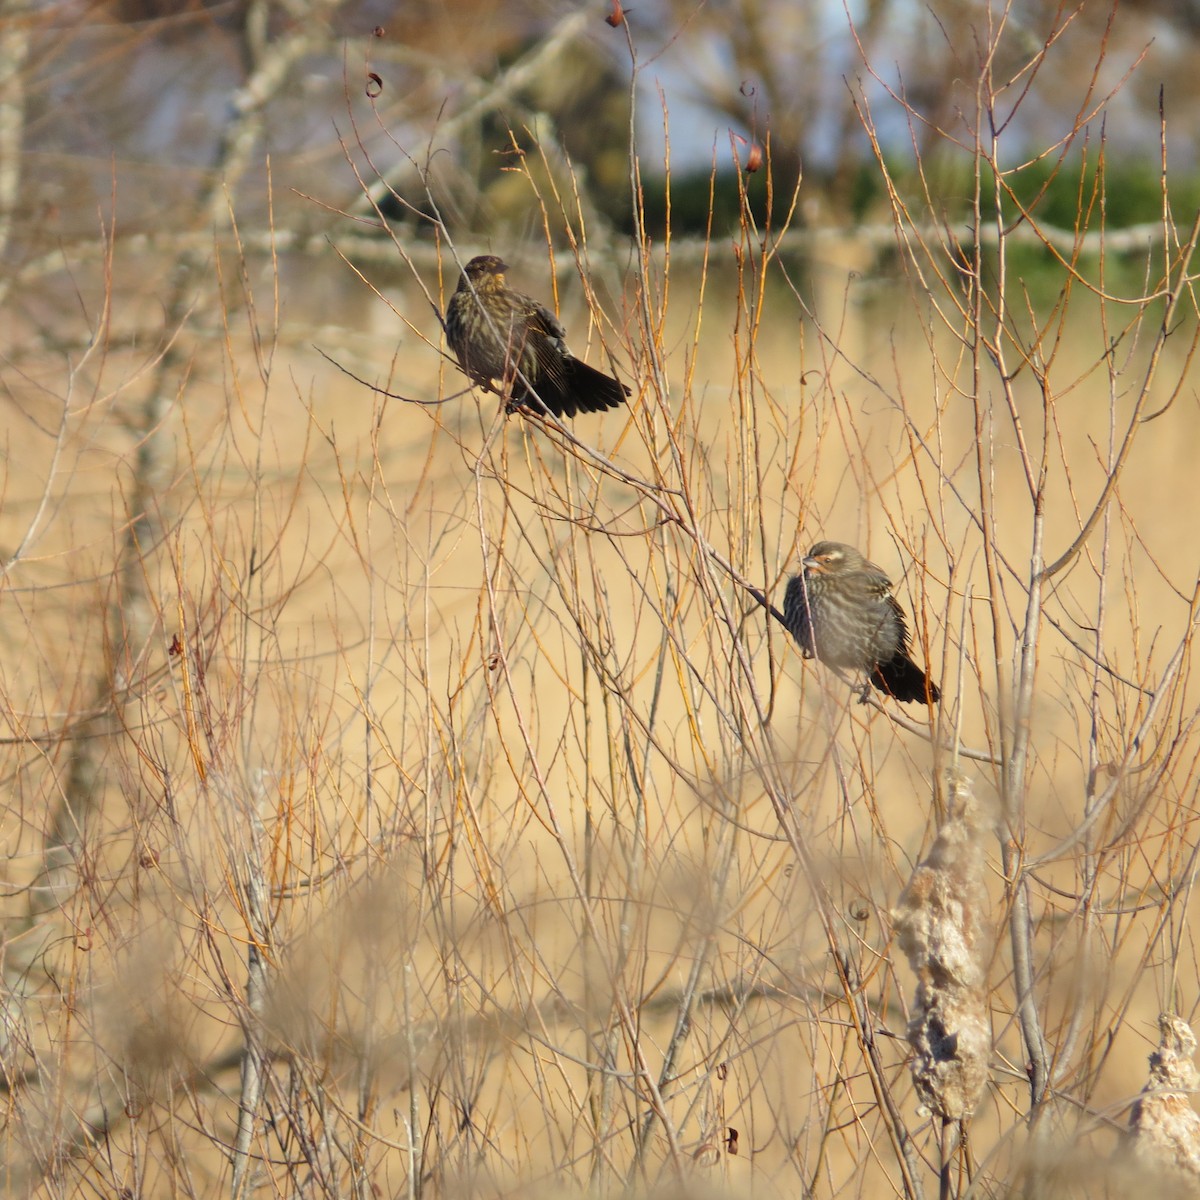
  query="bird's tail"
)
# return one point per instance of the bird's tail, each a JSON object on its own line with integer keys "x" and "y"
{"x": 904, "y": 680}
{"x": 587, "y": 390}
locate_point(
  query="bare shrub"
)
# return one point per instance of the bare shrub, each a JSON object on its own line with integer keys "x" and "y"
{"x": 407, "y": 798}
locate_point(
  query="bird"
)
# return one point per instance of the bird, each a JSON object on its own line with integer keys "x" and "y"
{"x": 497, "y": 333}
{"x": 841, "y": 611}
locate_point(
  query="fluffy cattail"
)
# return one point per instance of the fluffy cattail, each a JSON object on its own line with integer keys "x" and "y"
{"x": 1164, "y": 1129}
{"x": 941, "y": 926}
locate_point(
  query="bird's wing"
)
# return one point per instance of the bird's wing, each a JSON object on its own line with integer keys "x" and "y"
{"x": 544, "y": 355}
{"x": 877, "y": 577}
{"x": 546, "y": 323}
{"x": 881, "y": 585}
{"x": 901, "y": 622}
{"x": 796, "y": 615}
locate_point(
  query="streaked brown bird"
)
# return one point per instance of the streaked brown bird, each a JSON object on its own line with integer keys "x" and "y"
{"x": 500, "y": 334}
{"x": 842, "y": 611}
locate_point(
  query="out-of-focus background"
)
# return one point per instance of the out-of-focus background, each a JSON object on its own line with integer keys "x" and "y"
{"x": 403, "y": 798}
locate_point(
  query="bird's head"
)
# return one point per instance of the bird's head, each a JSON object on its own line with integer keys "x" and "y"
{"x": 830, "y": 557}
{"x": 485, "y": 269}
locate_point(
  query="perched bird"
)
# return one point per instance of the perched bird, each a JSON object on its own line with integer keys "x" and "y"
{"x": 842, "y": 611}
{"x": 499, "y": 334}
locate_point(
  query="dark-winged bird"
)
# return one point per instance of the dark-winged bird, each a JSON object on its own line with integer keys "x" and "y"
{"x": 498, "y": 334}
{"x": 842, "y": 611}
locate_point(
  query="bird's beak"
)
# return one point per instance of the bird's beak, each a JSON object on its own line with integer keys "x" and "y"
{"x": 812, "y": 564}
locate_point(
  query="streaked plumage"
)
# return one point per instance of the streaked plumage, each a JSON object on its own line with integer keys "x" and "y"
{"x": 498, "y": 335}
{"x": 842, "y": 612}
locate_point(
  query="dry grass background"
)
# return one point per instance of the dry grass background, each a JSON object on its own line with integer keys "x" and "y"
{"x": 453, "y": 817}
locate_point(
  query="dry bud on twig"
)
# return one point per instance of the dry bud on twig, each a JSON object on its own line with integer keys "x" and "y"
{"x": 940, "y": 926}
